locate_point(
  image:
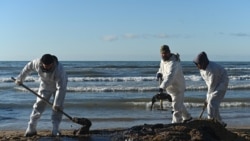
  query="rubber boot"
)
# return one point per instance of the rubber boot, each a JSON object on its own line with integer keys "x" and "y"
{"x": 34, "y": 117}
{"x": 30, "y": 131}
{"x": 55, "y": 130}
{"x": 187, "y": 120}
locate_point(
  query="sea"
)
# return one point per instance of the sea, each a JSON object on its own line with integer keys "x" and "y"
{"x": 117, "y": 94}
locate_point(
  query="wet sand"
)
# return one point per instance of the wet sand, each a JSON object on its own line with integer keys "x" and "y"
{"x": 203, "y": 130}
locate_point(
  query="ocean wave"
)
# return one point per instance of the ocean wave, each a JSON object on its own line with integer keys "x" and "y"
{"x": 97, "y": 104}
{"x": 240, "y": 77}
{"x": 130, "y": 89}
{"x": 193, "y": 78}
{"x": 28, "y": 79}
{"x": 189, "y": 78}
{"x": 127, "y": 84}
{"x": 111, "y": 89}
{"x": 143, "y": 89}
{"x": 238, "y": 69}
{"x": 110, "y": 79}
{"x": 198, "y": 105}
{"x": 235, "y": 104}
{"x": 239, "y": 87}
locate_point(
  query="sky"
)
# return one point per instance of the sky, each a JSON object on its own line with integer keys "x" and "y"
{"x": 124, "y": 30}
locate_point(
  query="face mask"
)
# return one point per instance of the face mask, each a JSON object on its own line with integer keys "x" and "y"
{"x": 46, "y": 69}
{"x": 166, "y": 56}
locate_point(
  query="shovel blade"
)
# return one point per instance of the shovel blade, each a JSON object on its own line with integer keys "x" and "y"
{"x": 82, "y": 121}
{"x": 86, "y": 123}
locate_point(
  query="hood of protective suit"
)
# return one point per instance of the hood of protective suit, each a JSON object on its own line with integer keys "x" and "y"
{"x": 202, "y": 60}
{"x": 48, "y": 60}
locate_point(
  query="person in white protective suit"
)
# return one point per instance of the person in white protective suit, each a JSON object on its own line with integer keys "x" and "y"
{"x": 173, "y": 81}
{"x": 216, "y": 79}
{"x": 53, "y": 82}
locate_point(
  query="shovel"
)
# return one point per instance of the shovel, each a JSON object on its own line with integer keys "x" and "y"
{"x": 86, "y": 123}
{"x": 203, "y": 109}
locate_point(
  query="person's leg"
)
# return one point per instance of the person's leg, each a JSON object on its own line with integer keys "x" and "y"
{"x": 56, "y": 117}
{"x": 38, "y": 108}
{"x": 185, "y": 114}
{"x": 214, "y": 101}
{"x": 177, "y": 108}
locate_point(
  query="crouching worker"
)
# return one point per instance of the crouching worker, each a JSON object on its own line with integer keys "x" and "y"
{"x": 216, "y": 79}
{"x": 53, "y": 83}
{"x": 174, "y": 82}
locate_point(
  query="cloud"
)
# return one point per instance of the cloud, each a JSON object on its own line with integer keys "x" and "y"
{"x": 110, "y": 38}
{"x": 241, "y": 34}
{"x": 162, "y": 35}
{"x": 130, "y": 36}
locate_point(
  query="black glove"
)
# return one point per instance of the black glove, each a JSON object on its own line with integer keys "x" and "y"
{"x": 56, "y": 108}
{"x": 160, "y": 90}
{"x": 159, "y": 76}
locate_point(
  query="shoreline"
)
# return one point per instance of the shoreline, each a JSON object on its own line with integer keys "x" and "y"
{"x": 195, "y": 129}
{"x": 95, "y": 135}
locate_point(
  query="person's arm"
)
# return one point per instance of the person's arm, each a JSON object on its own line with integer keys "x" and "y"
{"x": 169, "y": 76}
{"x": 28, "y": 68}
{"x": 159, "y": 73}
{"x": 211, "y": 82}
{"x": 61, "y": 80}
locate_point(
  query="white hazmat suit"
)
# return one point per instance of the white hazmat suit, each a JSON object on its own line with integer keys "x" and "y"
{"x": 53, "y": 83}
{"x": 216, "y": 79}
{"x": 174, "y": 82}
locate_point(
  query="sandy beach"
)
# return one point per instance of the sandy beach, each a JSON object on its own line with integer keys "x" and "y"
{"x": 196, "y": 130}
{"x": 119, "y": 104}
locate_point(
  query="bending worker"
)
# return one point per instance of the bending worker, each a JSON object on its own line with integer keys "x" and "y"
{"x": 173, "y": 81}
{"x": 53, "y": 82}
{"x": 216, "y": 79}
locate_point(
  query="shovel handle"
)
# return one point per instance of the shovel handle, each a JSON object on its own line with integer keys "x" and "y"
{"x": 21, "y": 84}
{"x": 203, "y": 109}
{"x": 45, "y": 100}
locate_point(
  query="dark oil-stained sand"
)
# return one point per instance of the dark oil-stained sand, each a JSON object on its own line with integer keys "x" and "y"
{"x": 196, "y": 130}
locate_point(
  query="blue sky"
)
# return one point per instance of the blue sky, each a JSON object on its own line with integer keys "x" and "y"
{"x": 124, "y": 30}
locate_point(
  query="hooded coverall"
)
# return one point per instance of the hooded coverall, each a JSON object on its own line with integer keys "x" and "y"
{"x": 174, "y": 82}
{"x": 52, "y": 83}
{"x": 216, "y": 79}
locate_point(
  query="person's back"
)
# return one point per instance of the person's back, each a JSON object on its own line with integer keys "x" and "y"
{"x": 172, "y": 71}
{"x": 216, "y": 79}
{"x": 219, "y": 75}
